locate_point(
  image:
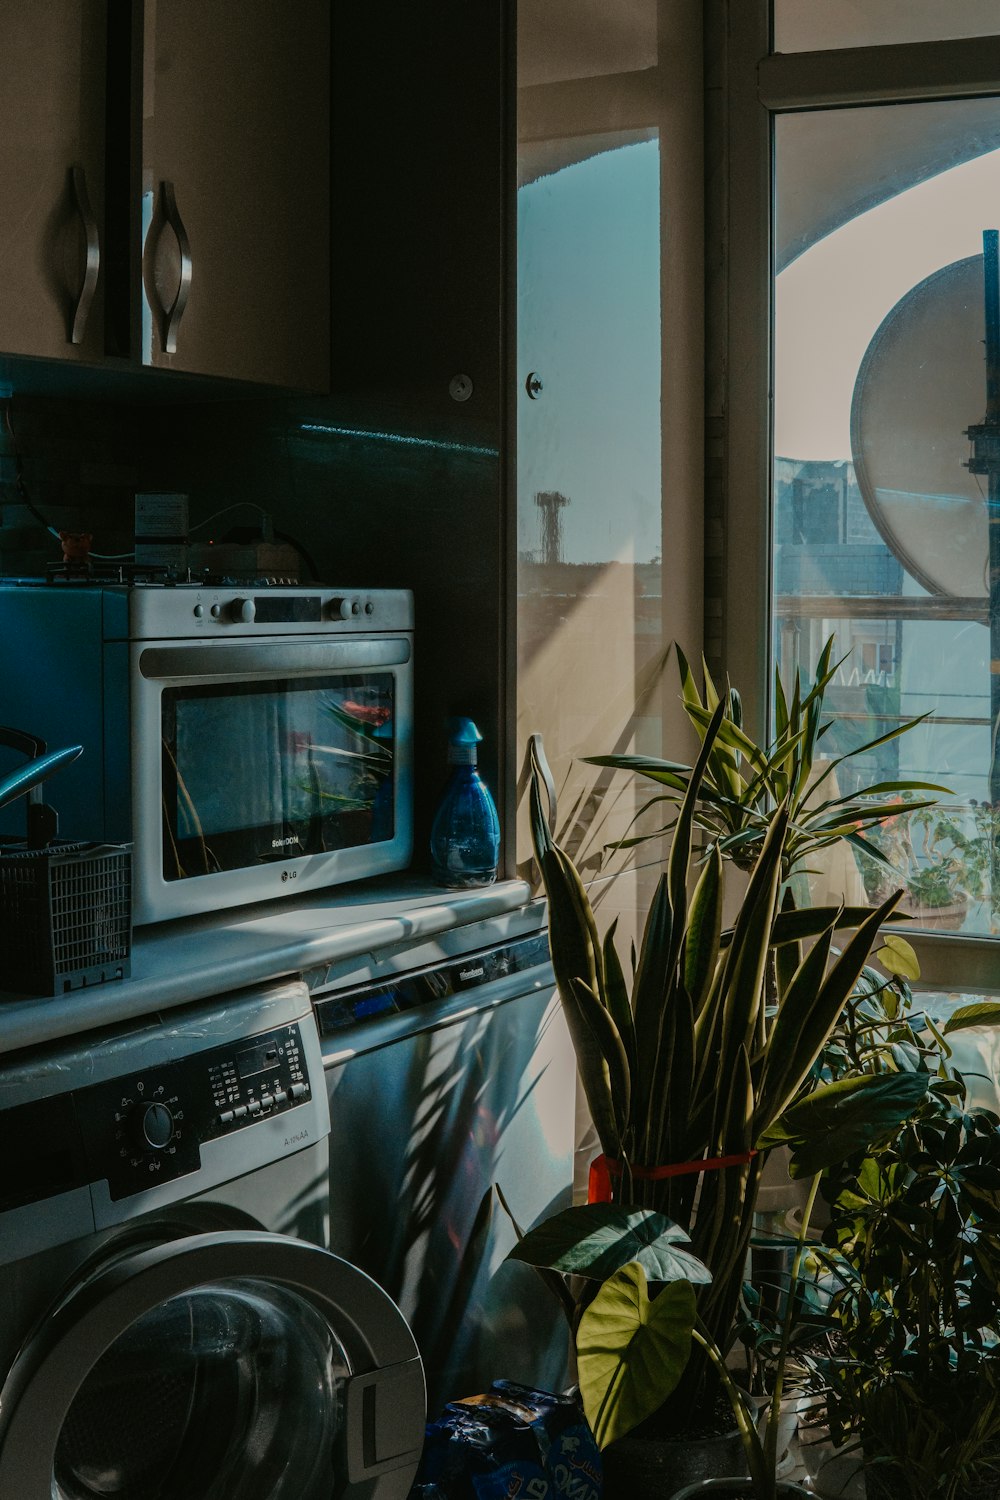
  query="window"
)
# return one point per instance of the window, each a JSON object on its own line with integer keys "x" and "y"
{"x": 886, "y": 174}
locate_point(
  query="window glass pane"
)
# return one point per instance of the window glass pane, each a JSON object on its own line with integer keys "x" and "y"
{"x": 590, "y": 638}
{"x": 815, "y": 25}
{"x": 881, "y": 530}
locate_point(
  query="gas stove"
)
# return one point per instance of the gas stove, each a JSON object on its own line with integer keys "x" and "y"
{"x": 149, "y": 575}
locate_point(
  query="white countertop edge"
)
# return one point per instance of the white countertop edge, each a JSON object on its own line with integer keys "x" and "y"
{"x": 168, "y": 972}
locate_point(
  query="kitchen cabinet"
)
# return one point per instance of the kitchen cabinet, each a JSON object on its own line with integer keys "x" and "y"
{"x": 236, "y": 189}
{"x": 52, "y": 177}
{"x": 164, "y": 186}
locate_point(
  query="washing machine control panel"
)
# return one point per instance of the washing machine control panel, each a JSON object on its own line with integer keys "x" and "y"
{"x": 150, "y": 1126}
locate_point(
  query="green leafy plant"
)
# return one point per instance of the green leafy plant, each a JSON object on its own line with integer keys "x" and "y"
{"x": 947, "y": 854}
{"x": 633, "y": 1347}
{"x": 912, "y": 1368}
{"x": 689, "y": 1067}
{"x": 742, "y": 783}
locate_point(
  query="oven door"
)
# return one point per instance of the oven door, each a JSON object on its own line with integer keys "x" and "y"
{"x": 265, "y": 768}
{"x": 228, "y": 1366}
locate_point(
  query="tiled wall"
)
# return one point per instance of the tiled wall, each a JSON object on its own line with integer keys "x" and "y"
{"x": 80, "y": 463}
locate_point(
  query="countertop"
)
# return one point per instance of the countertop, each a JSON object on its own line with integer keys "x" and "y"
{"x": 175, "y": 963}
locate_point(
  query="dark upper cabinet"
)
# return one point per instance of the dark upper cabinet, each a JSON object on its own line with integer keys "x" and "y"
{"x": 52, "y": 171}
{"x": 236, "y": 189}
{"x": 165, "y": 186}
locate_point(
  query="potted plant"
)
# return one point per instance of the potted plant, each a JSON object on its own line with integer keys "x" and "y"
{"x": 911, "y": 1374}
{"x": 632, "y": 1347}
{"x": 941, "y": 866}
{"x": 687, "y": 1069}
{"x": 743, "y": 782}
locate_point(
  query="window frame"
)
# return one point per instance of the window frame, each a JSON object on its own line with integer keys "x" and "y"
{"x": 761, "y": 84}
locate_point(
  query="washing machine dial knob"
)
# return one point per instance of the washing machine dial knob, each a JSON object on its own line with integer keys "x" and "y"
{"x": 152, "y": 1127}
{"x": 242, "y": 611}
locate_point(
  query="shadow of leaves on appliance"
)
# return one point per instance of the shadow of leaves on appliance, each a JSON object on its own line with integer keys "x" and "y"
{"x": 421, "y": 1131}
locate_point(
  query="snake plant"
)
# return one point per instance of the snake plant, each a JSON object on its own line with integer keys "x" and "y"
{"x": 742, "y": 782}
{"x": 688, "y": 1063}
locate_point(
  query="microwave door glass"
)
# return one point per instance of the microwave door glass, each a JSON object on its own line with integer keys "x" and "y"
{"x": 260, "y": 771}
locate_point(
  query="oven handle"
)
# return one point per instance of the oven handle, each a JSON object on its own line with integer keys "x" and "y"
{"x": 218, "y": 659}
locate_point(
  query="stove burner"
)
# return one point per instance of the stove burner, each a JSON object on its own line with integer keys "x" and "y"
{"x": 93, "y": 571}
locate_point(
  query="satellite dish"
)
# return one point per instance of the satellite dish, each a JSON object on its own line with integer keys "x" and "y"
{"x": 921, "y": 384}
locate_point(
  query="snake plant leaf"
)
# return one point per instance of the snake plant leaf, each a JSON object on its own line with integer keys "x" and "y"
{"x": 616, "y": 995}
{"x": 541, "y": 836}
{"x": 800, "y": 1032}
{"x": 809, "y": 921}
{"x": 825, "y": 673}
{"x": 865, "y": 813}
{"x": 883, "y": 739}
{"x": 730, "y": 737}
{"x": 804, "y": 987}
{"x": 679, "y": 861}
{"x": 984, "y": 1013}
{"x": 780, "y": 706}
{"x": 648, "y": 991}
{"x": 631, "y": 1351}
{"x": 838, "y": 1119}
{"x": 746, "y": 958}
{"x": 711, "y": 691}
{"x": 689, "y": 688}
{"x": 866, "y": 847}
{"x": 608, "y": 1039}
{"x": 878, "y": 789}
{"x": 722, "y": 1202}
{"x": 598, "y": 1239}
{"x": 810, "y": 734}
{"x": 670, "y": 772}
{"x": 575, "y": 956}
{"x": 787, "y": 956}
{"x": 704, "y": 932}
{"x": 672, "y": 1135}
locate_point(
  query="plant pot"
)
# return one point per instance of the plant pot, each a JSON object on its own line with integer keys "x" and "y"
{"x": 735, "y": 1488}
{"x": 938, "y": 918}
{"x": 834, "y": 1473}
{"x": 654, "y": 1468}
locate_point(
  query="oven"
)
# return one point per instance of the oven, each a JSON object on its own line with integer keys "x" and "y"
{"x": 252, "y": 743}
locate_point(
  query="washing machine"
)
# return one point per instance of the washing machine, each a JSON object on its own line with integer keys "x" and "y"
{"x": 173, "y": 1325}
{"x": 452, "y": 1082}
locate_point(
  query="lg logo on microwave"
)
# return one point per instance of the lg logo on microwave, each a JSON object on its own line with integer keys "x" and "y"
{"x": 289, "y": 874}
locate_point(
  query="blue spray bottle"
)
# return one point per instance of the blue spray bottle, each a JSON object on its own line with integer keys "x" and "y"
{"x": 465, "y": 836}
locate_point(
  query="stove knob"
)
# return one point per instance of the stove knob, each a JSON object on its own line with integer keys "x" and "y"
{"x": 152, "y": 1127}
{"x": 339, "y": 609}
{"x": 243, "y": 611}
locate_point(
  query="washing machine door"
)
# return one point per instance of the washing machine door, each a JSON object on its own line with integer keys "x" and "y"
{"x": 231, "y": 1366}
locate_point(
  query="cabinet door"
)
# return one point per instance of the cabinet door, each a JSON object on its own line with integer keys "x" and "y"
{"x": 236, "y": 189}
{"x": 52, "y": 102}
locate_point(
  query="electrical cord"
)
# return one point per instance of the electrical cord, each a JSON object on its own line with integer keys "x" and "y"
{"x": 282, "y": 536}
{"x": 19, "y": 484}
{"x": 236, "y": 505}
{"x": 30, "y": 505}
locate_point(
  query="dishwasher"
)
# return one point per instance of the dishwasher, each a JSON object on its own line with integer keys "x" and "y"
{"x": 450, "y": 1075}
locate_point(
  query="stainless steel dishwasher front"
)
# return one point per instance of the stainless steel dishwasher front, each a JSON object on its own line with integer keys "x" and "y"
{"x": 445, "y": 1081}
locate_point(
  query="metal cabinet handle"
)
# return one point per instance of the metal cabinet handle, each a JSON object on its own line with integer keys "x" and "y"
{"x": 176, "y": 312}
{"x": 93, "y": 265}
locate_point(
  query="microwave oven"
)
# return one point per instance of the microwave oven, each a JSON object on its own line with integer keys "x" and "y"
{"x": 250, "y": 742}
